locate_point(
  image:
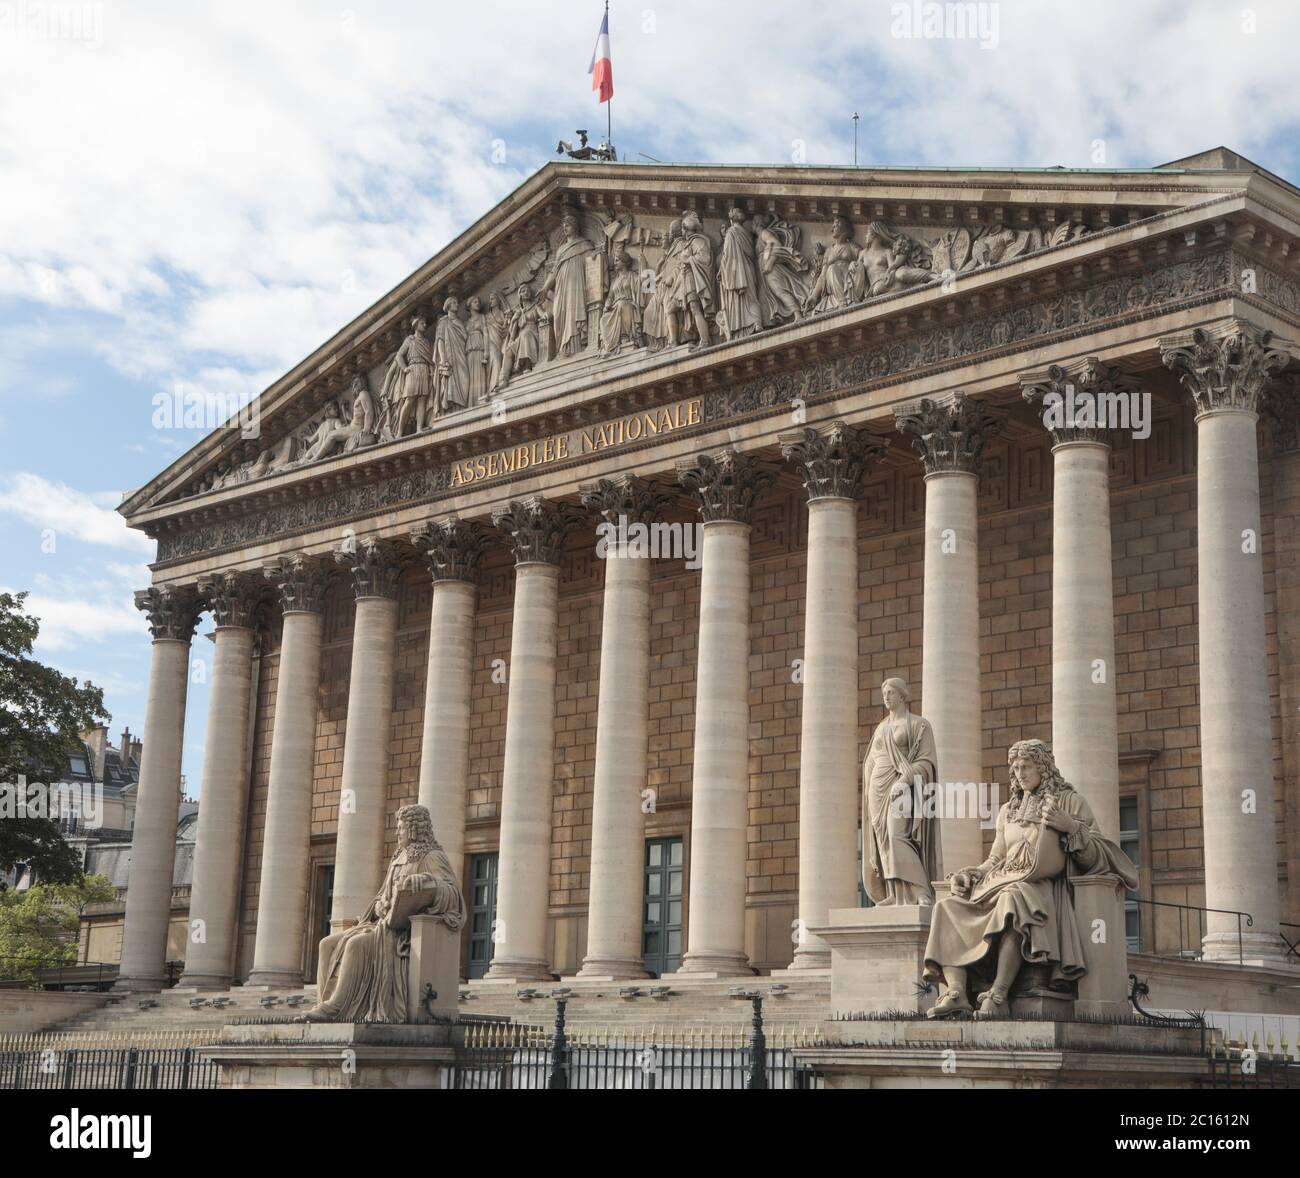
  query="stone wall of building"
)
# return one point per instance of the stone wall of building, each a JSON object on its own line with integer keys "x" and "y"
{"x": 1154, "y": 550}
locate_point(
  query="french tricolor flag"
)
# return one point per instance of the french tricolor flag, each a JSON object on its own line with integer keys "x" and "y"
{"x": 601, "y": 68}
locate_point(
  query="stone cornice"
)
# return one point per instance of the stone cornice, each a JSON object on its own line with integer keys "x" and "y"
{"x": 870, "y": 355}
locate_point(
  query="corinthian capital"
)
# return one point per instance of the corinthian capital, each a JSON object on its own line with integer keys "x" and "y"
{"x": 232, "y": 598}
{"x": 173, "y": 612}
{"x": 1227, "y": 368}
{"x": 454, "y": 547}
{"x": 949, "y": 434}
{"x": 374, "y": 564}
{"x": 537, "y": 528}
{"x": 831, "y": 458}
{"x": 624, "y": 497}
{"x": 726, "y": 482}
{"x": 1084, "y": 402}
{"x": 301, "y": 581}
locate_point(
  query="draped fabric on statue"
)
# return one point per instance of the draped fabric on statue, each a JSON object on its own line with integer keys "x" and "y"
{"x": 898, "y": 852}
{"x": 739, "y": 283}
{"x": 1025, "y": 884}
{"x": 362, "y": 976}
{"x": 569, "y": 308}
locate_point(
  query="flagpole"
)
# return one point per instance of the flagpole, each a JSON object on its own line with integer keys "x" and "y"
{"x": 609, "y": 106}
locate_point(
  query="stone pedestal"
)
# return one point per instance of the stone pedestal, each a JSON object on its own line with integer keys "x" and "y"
{"x": 877, "y": 957}
{"x": 334, "y": 1055}
{"x": 435, "y": 962}
{"x": 1099, "y": 911}
{"x": 920, "y": 1053}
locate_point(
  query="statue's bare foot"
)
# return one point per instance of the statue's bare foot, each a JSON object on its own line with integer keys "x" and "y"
{"x": 993, "y": 1004}
{"x": 953, "y": 1003}
{"x": 314, "y": 1015}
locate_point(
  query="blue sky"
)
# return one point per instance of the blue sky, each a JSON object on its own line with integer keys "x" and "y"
{"x": 197, "y": 195}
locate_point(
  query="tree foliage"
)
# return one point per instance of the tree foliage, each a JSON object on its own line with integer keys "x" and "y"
{"x": 39, "y": 927}
{"x": 42, "y": 713}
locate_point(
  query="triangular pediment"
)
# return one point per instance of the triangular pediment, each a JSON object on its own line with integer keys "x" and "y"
{"x": 593, "y": 271}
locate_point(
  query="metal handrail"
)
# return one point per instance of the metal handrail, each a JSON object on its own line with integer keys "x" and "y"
{"x": 1193, "y": 952}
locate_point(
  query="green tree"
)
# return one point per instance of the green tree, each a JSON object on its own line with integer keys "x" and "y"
{"x": 42, "y": 713}
{"x": 40, "y": 928}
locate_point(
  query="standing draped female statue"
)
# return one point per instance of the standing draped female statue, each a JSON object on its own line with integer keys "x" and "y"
{"x": 1017, "y": 905}
{"x": 898, "y": 852}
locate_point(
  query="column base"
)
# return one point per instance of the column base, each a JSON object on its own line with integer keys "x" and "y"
{"x": 612, "y": 969}
{"x": 1249, "y": 949}
{"x": 204, "y": 981}
{"x": 138, "y": 986}
{"x": 520, "y": 969}
{"x": 272, "y": 979}
{"x": 709, "y": 963}
{"x": 812, "y": 957}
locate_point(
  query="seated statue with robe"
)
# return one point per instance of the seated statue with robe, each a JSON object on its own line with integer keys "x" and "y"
{"x": 362, "y": 975}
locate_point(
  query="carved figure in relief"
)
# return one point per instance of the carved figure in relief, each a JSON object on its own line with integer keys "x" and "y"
{"x": 1017, "y": 906}
{"x": 898, "y": 840}
{"x": 784, "y": 271}
{"x": 888, "y": 261}
{"x": 567, "y": 286}
{"x": 408, "y": 383}
{"x": 620, "y": 325}
{"x": 450, "y": 364}
{"x": 362, "y": 972}
{"x": 739, "y": 285}
{"x": 332, "y": 435}
{"x": 524, "y": 334}
{"x": 496, "y": 321}
{"x": 477, "y": 352}
{"x": 693, "y": 300}
{"x": 834, "y": 285}
{"x": 657, "y": 323}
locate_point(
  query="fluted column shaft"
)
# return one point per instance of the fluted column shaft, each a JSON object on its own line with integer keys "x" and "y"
{"x": 223, "y": 799}
{"x": 523, "y": 879}
{"x": 1227, "y": 371}
{"x": 950, "y": 435}
{"x": 153, "y": 839}
{"x": 363, "y": 788}
{"x": 1085, "y": 732}
{"x": 454, "y": 548}
{"x": 286, "y": 839}
{"x": 614, "y": 919}
{"x": 726, "y": 484}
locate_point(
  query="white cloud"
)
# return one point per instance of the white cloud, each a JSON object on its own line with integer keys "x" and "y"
{"x": 68, "y": 623}
{"x": 65, "y": 511}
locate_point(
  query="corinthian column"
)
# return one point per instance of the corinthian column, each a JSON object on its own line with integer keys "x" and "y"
{"x": 622, "y": 731}
{"x": 1076, "y": 405}
{"x": 172, "y": 615}
{"x": 831, "y": 459}
{"x": 950, "y": 436}
{"x": 1226, "y": 372}
{"x": 726, "y": 483}
{"x": 537, "y": 529}
{"x": 286, "y": 841}
{"x": 223, "y": 798}
{"x": 359, "y": 852}
{"x": 454, "y": 547}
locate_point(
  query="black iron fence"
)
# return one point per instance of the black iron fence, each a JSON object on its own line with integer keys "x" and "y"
{"x": 100, "y": 1067}
{"x": 1243, "y": 1067}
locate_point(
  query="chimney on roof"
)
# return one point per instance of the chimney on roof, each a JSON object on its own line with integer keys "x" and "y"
{"x": 137, "y": 750}
{"x": 97, "y": 741}
{"x": 124, "y": 749}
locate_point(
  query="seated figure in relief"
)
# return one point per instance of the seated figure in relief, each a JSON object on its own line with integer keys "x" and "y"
{"x": 362, "y": 976}
{"x": 898, "y": 845}
{"x": 620, "y": 324}
{"x": 1017, "y": 906}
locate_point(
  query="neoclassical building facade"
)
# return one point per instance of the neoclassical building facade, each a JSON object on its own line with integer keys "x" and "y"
{"x": 1025, "y": 439}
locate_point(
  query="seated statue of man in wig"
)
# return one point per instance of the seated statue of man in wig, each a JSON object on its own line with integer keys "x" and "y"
{"x": 362, "y": 976}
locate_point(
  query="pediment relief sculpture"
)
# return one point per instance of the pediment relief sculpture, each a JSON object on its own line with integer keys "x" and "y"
{"x": 605, "y": 285}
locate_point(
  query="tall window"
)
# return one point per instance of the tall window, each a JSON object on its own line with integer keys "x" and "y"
{"x": 1130, "y": 843}
{"x": 482, "y": 912}
{"x": 326, "y": 899}
{"x": 661, "y": 932}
